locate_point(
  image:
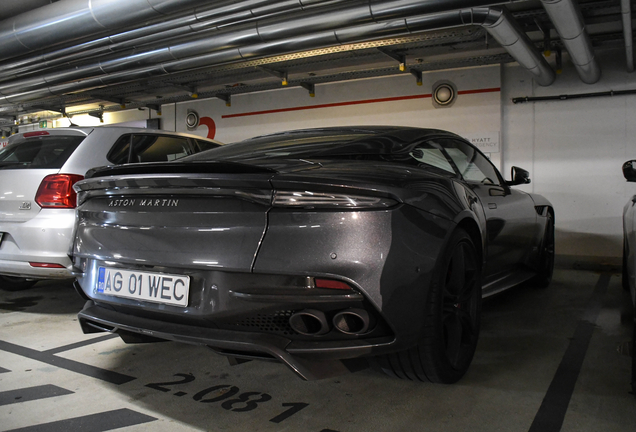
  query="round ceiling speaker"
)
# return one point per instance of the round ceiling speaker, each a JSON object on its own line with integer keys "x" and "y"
{"x": 192, "y": 120}
{"x": 444, "y": 94}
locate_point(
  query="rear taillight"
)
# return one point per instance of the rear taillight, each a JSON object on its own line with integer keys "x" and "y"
{"x": 307, "y": 199}
{"x": 56, "y": 191}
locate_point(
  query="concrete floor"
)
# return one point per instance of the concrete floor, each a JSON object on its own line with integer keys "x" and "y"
{"x": 547, "y": 360}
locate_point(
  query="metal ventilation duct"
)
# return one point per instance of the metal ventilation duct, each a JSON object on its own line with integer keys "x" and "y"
{"x": 510, "y": 36}
{"x": 496, "y": 21}
{"x": 13, "y": 8}
{"x": 253, "y": 40}
{"x": 568, "y": 22}
{"x": 502, "y": 26}
{"x": 200, "y": 19}
{"x": 68, "y": 20}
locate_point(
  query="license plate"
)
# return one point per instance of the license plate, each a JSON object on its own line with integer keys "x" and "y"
{"x": 161, "y": 288}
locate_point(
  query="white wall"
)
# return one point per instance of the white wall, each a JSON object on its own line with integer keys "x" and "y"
{"x": 574, "y": 150}
{"x": 360, "y": 102}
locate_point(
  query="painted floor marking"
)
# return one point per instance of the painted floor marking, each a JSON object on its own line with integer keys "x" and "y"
{"x": 80, "y": 344}
{"x": 32, "y": 393}
{"x": 71, "y": 365}
{"x": 552, "y": 412}
{"x": 94, "y": 423}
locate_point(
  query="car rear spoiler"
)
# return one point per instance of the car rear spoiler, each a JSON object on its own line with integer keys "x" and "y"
{"x": 209, "y": 167}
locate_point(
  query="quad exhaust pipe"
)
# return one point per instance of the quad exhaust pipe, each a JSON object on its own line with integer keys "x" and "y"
{"x": 352, "y": 321}
{"x": 311, "y": 322}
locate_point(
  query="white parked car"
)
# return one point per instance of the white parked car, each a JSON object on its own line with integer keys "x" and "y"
{"x": 37, "y": 202}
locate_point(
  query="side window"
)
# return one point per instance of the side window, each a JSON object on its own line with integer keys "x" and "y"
{"x": 472, "y": 165}
{"x": 157, "y": 148}
{"x": 429, "y": 155}
{"x": 205, "y": 145}
{"x": 118, "y": 154}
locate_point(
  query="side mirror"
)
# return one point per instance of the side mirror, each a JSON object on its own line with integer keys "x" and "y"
{"x": 629, "y": 170}
{"x": 519, "y": 176}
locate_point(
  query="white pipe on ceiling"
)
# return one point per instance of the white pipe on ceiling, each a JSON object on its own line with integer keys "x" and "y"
{"x": 568, "y": 22}
{"x": 68, "y": 20}
{"x": 156, "y": 63}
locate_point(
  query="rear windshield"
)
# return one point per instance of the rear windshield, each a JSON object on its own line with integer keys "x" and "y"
{"x": 39, "y": 152}
{"x": 405, "y": 146}
{"x": 148, "y": 148}
{"x": 206, "y": 145}
{"x": 380, "y": 144}
{"x": 291, "y": 145}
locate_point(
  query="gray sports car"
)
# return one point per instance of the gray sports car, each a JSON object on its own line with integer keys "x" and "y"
{"x": 319, "y": 248}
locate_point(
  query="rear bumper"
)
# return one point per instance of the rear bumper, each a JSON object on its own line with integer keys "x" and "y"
{"x": 44, "y": 239}
{"x": 387, "y": 258}
{"x": 25, "y": 270}
{"x": 310, "y": 361}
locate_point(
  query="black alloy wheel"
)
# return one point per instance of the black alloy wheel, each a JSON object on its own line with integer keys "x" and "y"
{"x": 460, "y": 309}
{"x": 452, "y": 319}
{"x": 10, "y": 283}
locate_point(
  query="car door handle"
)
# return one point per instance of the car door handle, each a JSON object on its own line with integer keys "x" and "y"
{"x": 492, "y": 206}
{"x": 634, "y": 199}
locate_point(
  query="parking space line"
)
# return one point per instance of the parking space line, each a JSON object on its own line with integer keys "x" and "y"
{"x": 552, "y": 412}
{"x": 71, "y": 365}
{"x": 95, "y": 422}
{"x": 32, "y": 393}
{"x": 80, "y": 344}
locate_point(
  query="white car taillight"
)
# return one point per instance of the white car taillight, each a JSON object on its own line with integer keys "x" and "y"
{"x": 56, "y": 191}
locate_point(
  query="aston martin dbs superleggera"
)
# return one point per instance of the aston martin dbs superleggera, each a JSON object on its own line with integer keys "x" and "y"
{"x": 319, "y": 248}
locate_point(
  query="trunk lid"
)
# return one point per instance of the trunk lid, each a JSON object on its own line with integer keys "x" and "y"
{"x": 197, "y": 219}
{"x": 17, "y": 193}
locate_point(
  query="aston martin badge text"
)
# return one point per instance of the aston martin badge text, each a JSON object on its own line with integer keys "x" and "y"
{"x": 144, "y": 202}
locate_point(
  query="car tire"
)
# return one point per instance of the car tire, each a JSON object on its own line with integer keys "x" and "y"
{"x": 10, "y": 283}
{"x": 546, "y": 259}
{"x": 452, "y": 319}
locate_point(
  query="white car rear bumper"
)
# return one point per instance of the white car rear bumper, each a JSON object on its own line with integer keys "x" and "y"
{"x": 46, "y": 239}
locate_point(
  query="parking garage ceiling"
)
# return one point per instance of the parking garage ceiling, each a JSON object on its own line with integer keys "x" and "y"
{"x": 79, "y": 56}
